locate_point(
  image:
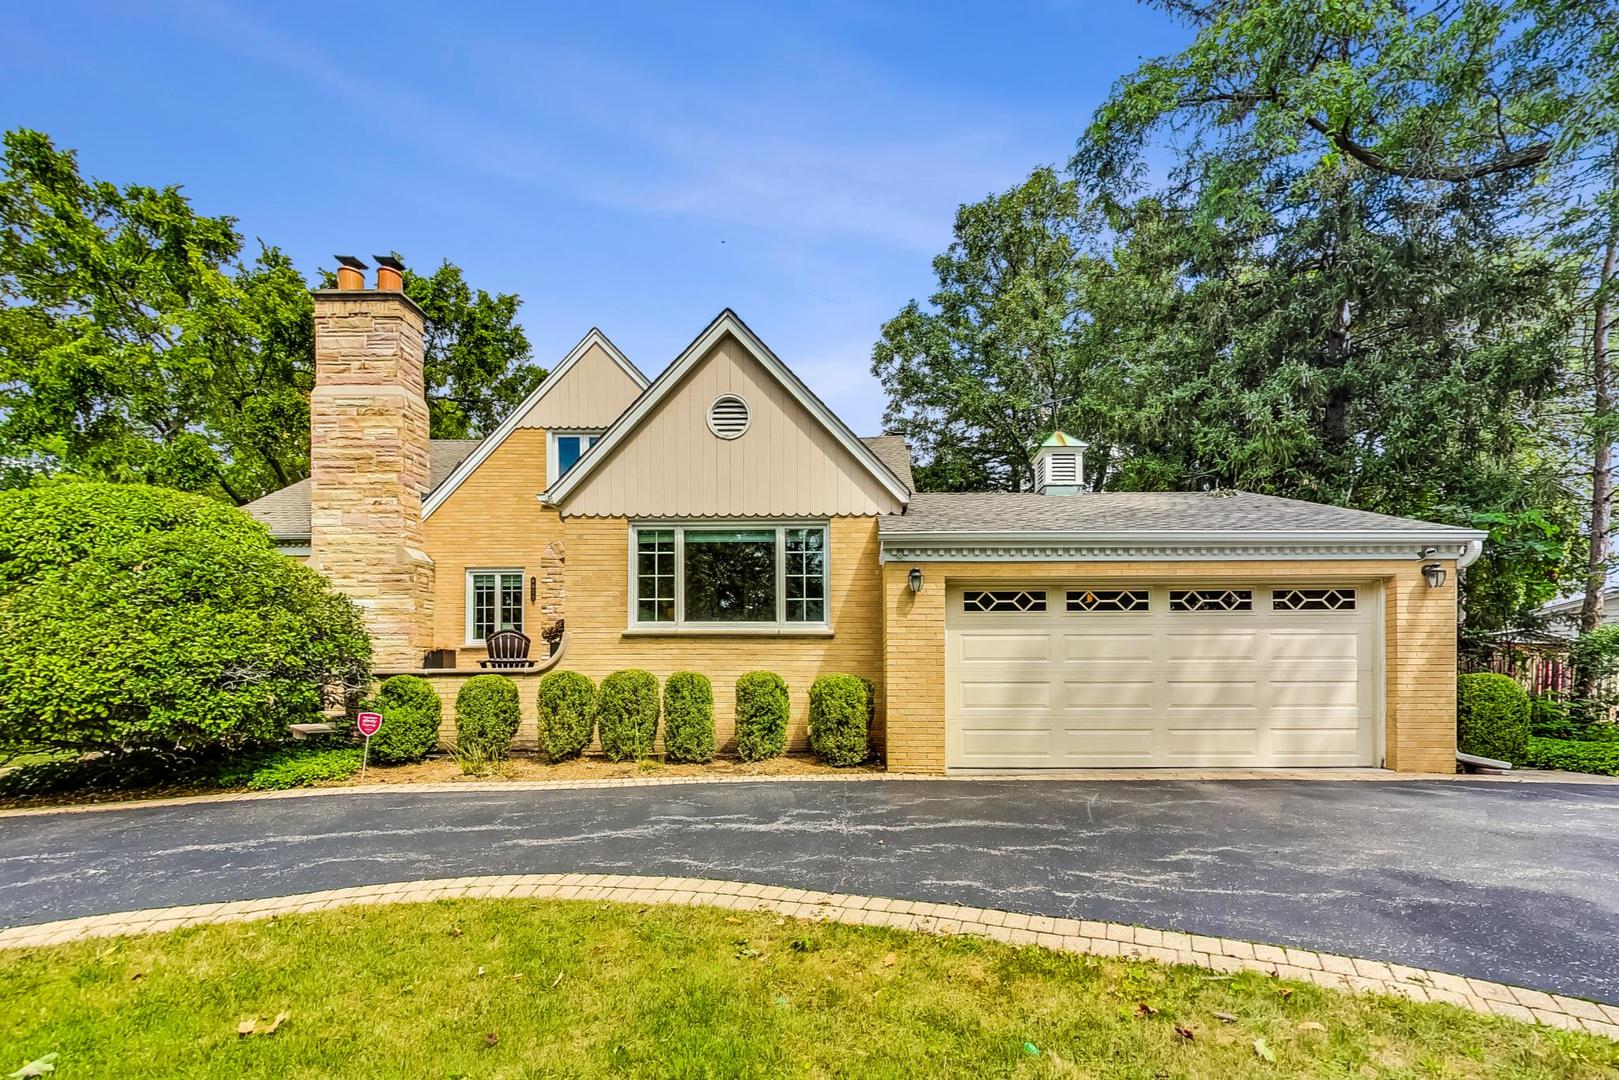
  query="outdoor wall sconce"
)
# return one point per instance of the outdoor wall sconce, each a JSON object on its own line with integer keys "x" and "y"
{"x": 533, "y": 589}
{"x": 915, "y": 579}
{"x": 1433, "y": 574}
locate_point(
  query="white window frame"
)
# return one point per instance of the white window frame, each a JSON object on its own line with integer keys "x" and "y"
{"x": 522, "y": 574}
{"x": 551, "y": 437}
{"x": 780, "y": 627}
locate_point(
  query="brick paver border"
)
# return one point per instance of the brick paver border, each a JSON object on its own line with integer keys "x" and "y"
{"x": 1226, "y": 955}
{"x": 1084, "y": 775}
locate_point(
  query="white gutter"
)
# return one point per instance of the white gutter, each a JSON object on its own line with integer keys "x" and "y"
{"x": 1463, "y": 545}
{"x": 1475, "y": 548}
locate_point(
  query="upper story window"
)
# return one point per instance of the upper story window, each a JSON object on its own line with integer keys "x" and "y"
{"x": 494, "y": 602}
{"x": 567, "y": 447}
{"x": 744, "y": 575}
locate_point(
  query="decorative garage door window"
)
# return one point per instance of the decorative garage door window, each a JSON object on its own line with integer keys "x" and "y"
{"x": 1313, "y": 599}
{"x": 1004, "y": 600}
{"x": 1107, "y": 600}
{"x": 1211, "y": 600}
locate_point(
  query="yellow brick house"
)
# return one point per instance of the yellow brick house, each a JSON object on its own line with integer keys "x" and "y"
{"x": 721, "y": 519}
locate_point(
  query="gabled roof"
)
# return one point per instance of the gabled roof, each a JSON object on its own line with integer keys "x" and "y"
{"x": 514, "y": 420}
{"x": 286, "y": 512}
{"x": 727, "y": 322}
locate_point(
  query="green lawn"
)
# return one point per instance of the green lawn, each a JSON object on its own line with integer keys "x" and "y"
{"x": 572, "y": 989}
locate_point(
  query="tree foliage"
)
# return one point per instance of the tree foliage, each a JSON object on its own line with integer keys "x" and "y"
{"x": 162, "y": 630}
{"x": 1341, "y": 291}
{"x": 137, "y": 343}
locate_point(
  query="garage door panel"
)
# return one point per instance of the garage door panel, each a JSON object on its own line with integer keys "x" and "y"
{"x": 1211, "y": 694}
{"x": 1000, "y": 647}
{"x": 1213, "y": 645}
{"x": 1006, "y": 695}
{"x": 1102, "y": 644}
{"x": 1007, "y": 742}
{"x": 1240, "y": 689}
{"x": 1118, "y": 694}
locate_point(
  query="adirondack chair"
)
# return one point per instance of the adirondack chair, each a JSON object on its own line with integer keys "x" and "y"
{"x": 507, "y": 649}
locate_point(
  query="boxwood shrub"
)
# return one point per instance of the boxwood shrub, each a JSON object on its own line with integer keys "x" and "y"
{"x": 762, "y": 709}
{"x": 688, "y": 718}
{"x": 839, "y": 719}
{"x": 1573, "y": 755}
{"x": 567, "y": 714}
{"x": 486, "y": 716}
{"x": 1492, "y": 716}
{"x": 411, "y": 715}
{"x": 627, "y": 714}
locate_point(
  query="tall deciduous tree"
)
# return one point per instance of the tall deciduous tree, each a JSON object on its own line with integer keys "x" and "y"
{"x": 136, "y": 343}
{"x": 1001, "y": 353}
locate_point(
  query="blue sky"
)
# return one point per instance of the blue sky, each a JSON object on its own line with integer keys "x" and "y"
{"x": 636, "y": 167}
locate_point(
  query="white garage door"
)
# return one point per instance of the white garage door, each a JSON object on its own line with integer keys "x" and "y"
{"x": 1161, "y": 675}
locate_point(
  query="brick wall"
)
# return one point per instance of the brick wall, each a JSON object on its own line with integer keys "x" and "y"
{"x": 1419, "y": 647}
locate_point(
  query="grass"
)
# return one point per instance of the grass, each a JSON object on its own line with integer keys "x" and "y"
{"x": 579, "y": 989}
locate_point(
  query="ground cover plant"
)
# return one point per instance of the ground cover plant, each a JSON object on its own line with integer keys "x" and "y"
{"x": 580, "y": 989}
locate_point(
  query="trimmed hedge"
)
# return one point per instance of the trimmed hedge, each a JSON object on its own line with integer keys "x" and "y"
{"x": 487, "y": 713}
{"x": 762, "y": 710}
{"x": 289, "y": 768}
{"x": 411, "y": 715}
{"x": 688, "y": 718}
{"x": 1572, "y": 755}
{"x": 627, "y": 714}
{"x": 839, "y": 719}
{"x": 1492, "y": 716}
{"x": 567, "y": 714}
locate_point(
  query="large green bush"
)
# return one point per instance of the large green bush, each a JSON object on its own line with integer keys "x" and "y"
{"x": 688, "y": 718}
{"x": 411, "y": 715}
{"x": 762, "y": 711}
{"x": 567, "y": 712}
{"x": 839, "y": 719}
{"x": 487, "y": 713}
{"x": 53, "y": 526}
{"x": 179, "y": 629}
{"x": 627, "y": 714}
{"x": 1572, "y": 755}
{"x": 1492, "y": 716}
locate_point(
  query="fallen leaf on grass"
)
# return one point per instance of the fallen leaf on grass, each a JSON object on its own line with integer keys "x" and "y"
{"x": 1285, "y": 991}
{"x": 1262, "y": 1048}
{"x": 890, "y": 960}
{"x": 491, "y": 1039}
{"x": 1311, "y": 1025}
{"x": 1143, "y": 1009}
{"x": 480, "y": 973}
{"x": 137, "y": 976}
{"x": 1225, "y": 1018}
{"x": 254, "y": 1026}
{"x": 455, "y": 931}
{"x": 37, "y": 1067}
{"x": 556, "y": 982}
{"x": 1183, "y": 1032}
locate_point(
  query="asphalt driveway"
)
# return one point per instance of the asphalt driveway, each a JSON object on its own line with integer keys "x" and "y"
{"x": 1515, "y": 883}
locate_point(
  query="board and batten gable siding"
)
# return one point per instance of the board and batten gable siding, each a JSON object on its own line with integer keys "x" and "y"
{"x": 494, "y": 520}
{"x": 590, "y": 395}
{"x": 1419, "y": 645}
{"x": 598, "y": 615}
{"x": 787, "y": 464}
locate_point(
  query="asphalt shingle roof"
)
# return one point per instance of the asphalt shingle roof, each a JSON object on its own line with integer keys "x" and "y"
{"x": 1130, "y": 511}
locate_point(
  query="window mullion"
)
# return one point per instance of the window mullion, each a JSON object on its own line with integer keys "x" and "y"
{"x": 781, "y": 575}
{"x": 680, "y": 575}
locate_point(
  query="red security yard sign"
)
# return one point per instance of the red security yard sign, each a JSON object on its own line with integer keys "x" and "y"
{"x": 369, "y": 724}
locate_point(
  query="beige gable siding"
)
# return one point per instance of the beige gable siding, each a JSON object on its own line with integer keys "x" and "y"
{"x": 592, "y": 394}
{"x": 785, "y": 464}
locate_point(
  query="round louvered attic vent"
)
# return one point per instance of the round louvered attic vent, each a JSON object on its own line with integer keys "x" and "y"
{"x": 728, "y": 416}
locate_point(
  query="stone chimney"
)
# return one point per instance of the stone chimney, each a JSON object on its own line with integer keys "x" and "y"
{"x": 368, "y": 464}
{"x": 1059, "y": 465}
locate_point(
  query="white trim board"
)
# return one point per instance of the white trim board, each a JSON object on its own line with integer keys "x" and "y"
{"x": 1105, "y": 547}
{"x": 727, "y": 322}
{"x": 514, "y": 419}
